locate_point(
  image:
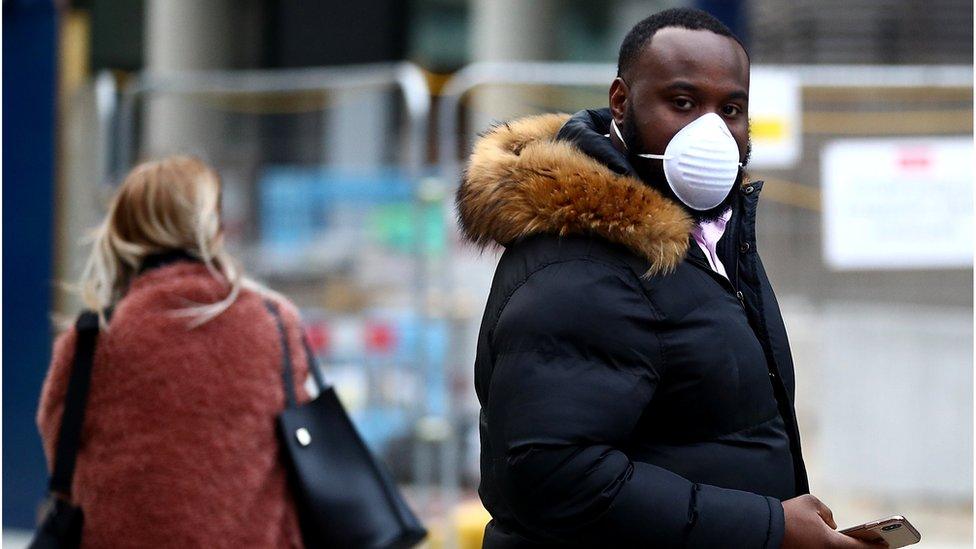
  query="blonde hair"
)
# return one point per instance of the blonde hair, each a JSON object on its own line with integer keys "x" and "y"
{"x": 162, "y": 205}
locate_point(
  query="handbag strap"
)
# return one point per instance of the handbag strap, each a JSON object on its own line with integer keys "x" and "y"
{"x": 287, "y": 370}
{"x": 313, "y": 365}
{"x": 73, "y": 416}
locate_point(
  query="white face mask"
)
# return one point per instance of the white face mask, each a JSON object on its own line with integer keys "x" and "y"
{"x": 701, "y": 162}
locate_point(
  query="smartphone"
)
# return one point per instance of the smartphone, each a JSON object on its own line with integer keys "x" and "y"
{"x": 895, "y": 530}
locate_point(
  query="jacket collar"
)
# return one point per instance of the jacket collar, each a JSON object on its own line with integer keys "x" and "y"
{"x": 161, "y": 259}
{"x": 559, "y": 175}
{"x": 589, "y": 131}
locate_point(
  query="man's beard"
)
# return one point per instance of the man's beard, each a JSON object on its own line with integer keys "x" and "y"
{"x": 651, "y": 171}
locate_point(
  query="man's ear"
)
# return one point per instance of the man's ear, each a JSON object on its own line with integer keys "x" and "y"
{"x": 619, "y": 95}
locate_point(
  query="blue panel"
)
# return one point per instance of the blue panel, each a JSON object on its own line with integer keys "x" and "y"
{"x": 298, "y": 202}
{"x": 29, "y": 71}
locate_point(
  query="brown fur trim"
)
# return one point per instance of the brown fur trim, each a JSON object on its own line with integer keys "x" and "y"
{"x": 521, "y": 181}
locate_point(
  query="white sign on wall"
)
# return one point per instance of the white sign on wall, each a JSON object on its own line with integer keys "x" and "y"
{"x": 898, "y": 203}
{"x": 775, "y": 118}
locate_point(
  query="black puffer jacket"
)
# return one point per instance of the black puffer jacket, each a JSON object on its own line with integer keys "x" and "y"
{"x": 630, "y": 395}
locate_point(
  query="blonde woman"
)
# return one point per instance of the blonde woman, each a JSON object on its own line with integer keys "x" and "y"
{"x": 178, "y": 447}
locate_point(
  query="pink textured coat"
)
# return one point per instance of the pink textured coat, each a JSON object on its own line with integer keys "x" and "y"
{"x": 178, "y": 447}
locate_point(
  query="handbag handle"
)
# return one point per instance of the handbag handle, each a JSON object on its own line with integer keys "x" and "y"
{"x": 287, "y": 370}
{"x": 313, "y": 364}
{"x": 73, "y": 416}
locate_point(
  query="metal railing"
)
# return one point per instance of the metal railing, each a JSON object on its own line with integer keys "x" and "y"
{"x": 119, "y": 111}
{"x": 406, "y": 77}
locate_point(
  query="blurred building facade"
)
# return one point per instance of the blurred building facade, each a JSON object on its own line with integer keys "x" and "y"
{"x": 882, "y": 32}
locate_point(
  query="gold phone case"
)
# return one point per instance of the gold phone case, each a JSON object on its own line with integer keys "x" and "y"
{"x": 895, "y": 530}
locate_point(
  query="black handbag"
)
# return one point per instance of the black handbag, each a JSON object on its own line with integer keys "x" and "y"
{"x": 61, "y": 524}
{"x": 344, "y": 495}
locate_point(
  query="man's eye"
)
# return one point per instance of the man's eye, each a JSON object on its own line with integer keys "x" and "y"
{"x": 683, "y": 104}
{"x": 731, "y": 110}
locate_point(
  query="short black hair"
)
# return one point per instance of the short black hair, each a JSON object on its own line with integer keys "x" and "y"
{"x": 686, "y": 18}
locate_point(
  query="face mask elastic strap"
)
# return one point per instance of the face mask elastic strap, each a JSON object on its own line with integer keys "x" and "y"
{"x": 664, "y": 157}
{"x": 616, "y": 130}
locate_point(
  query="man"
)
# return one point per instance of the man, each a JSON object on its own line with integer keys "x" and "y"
{"x": 633, "y": 368}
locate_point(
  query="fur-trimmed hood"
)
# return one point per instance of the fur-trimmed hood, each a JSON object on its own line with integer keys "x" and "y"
{"x": 521, "y": 180}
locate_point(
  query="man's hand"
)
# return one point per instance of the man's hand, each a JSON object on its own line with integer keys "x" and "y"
{"x": 810, "y": 524}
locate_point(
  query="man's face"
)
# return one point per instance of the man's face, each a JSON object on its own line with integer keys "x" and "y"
{"x": 680, "y": 75}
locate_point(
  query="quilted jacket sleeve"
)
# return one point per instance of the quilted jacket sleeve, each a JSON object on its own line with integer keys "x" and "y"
{"x": 576, "y": 362}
